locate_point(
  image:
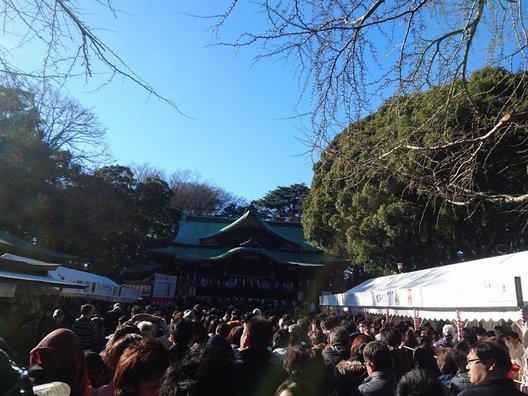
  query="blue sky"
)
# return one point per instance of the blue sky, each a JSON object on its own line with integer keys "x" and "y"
{"x": 240, "y": 134}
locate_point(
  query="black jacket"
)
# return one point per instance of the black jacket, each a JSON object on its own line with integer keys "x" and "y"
{"x": 258, "y": 372}
{"x": 335, "y": 353}
{"x": 379, "y": 383}
{"x": 494, "y": 387}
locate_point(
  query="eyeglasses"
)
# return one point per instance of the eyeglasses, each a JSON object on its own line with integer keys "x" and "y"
{"x": 474, "y": 361}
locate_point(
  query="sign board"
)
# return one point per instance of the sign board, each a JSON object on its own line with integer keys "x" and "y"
{"x": 164, "y": 289}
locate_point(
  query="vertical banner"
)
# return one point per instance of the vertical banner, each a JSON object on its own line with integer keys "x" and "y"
{"x": 164, "y": 289}
{"x": 460, "y": 324}
{"x": 416, "y": 319}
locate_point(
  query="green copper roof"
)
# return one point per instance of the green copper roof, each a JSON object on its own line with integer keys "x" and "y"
{"x": 12, "y": 244}
{"x": 198, "y": 254}
{"x": 193, "y": 229}
{"x": 200, "y": 239}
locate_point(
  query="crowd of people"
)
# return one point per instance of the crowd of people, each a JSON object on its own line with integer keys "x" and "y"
{"x": 141, "y": 350}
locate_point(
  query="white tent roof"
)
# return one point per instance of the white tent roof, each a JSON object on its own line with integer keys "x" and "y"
{"x": 99, "y": 287}
{"x": 480, "y": 289}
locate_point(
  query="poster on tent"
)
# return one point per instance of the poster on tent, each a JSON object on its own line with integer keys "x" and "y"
{"x": 164, "y": 289}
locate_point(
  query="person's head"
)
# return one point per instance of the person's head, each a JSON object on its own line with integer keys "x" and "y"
{"x": 363, "y": 327}
{"x": 182, "y": 331}
{"x": 317, "y": 337}
{"x": 449, "y": 332}
{"x": 58, "y": 315}
{"x": 295, "y": 362}
{"x": 410, "y": 338}
{"x": 235, "y": 334}
{"x": 113, "y": 352}
{"x": 295, "y": 387}
{"x": 481, "y": 333}
{"x": 329, "y": 322}
{"x": 61, "y": 353}
{"x": 141, "y": 368}
{"x": 419, "y": 382}
{"x": 281, "y": 338}
{"x": 487, "y": 360}
{"x": 339, "y": 335}
{"x": 391, "y": 336}
{"x": 377, "y": 357}
{"x": 148, "y": 329}
{"x": 137, "y": 309}
{"x": 469, "y": 335}
{"x": 424, "y": 358}
{"x": 87, "y": 310}
{"x": 121, "y": 331}
{"x": 445, "y": 359}
{"x": 460, "y": 352}
{"x": 223, "y": 329}
{"x": 358, "y": 341}
{"x": 514, "y": 338}
{"x": 96, "y": 367}
{"x": 257, "y": 333}
{"x": 205, "y": 370}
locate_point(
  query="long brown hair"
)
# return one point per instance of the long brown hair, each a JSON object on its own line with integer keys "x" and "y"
{"x": 141, "y": 362}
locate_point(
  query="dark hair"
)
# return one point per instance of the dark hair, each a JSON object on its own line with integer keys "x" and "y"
{"x": 281, "y": 338}
{"x": 445, "y": 359}
{"x": 295, "y": 361}
{"x": 419, "y": 382}
{"x": 95, "y": 367}
{"x": 330, "y": 322}
{"x": 379, "y": 355}
{"x": 112, "y": 354}
{"x": 141, "y": 362}
{"x": 182, "y": 331}
{"x": 514, "y": 335}
{"x": 412, "y": 340}
{"x": 424, "y": 358}
{"x": 296, "y": 387}
{"x": 391, "y": 336}
{"x": 469, "y": 335}
{"x": 235, "y": 334}
{"x": 487, "y": 350}
{"x": 86, "y": 309}
{"x": 317, "y": 337}
{"x": 121, "y": 331}
{"x": 205, "y": 370}
{"x": 259, "y": 331}
{"x": 460, "y": 352}
{"x": 223, "y": 329}
{"x": 339, "y": 334}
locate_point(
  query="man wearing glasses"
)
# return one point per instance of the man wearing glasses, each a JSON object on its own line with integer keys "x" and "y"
{"x": 488, "y": 366}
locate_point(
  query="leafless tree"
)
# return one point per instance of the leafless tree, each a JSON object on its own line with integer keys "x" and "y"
{"x": 352, "y": 55}
{"x": 146, "y": 170}
{"x": 194, "y": 196}
{"x": 71, "y": 48}
{"x": 66, "y": 125}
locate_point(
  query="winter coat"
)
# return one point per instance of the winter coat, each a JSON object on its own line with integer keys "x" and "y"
{"x": 379, "y": 383}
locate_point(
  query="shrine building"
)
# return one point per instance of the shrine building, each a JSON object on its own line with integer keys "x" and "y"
{"x": 246, "y": 257}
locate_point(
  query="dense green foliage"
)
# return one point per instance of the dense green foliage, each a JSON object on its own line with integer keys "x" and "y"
{"x": 283, "y": 203}
{"x": 370, "y": 197}
{"x": 104, "y": 217}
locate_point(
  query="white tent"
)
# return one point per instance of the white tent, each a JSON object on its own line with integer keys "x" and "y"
{"x": 99, "y": 287}
{"x": 480, "y": 289}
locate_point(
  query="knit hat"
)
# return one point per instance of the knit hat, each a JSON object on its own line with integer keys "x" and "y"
{"x": 448, "y": 330}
